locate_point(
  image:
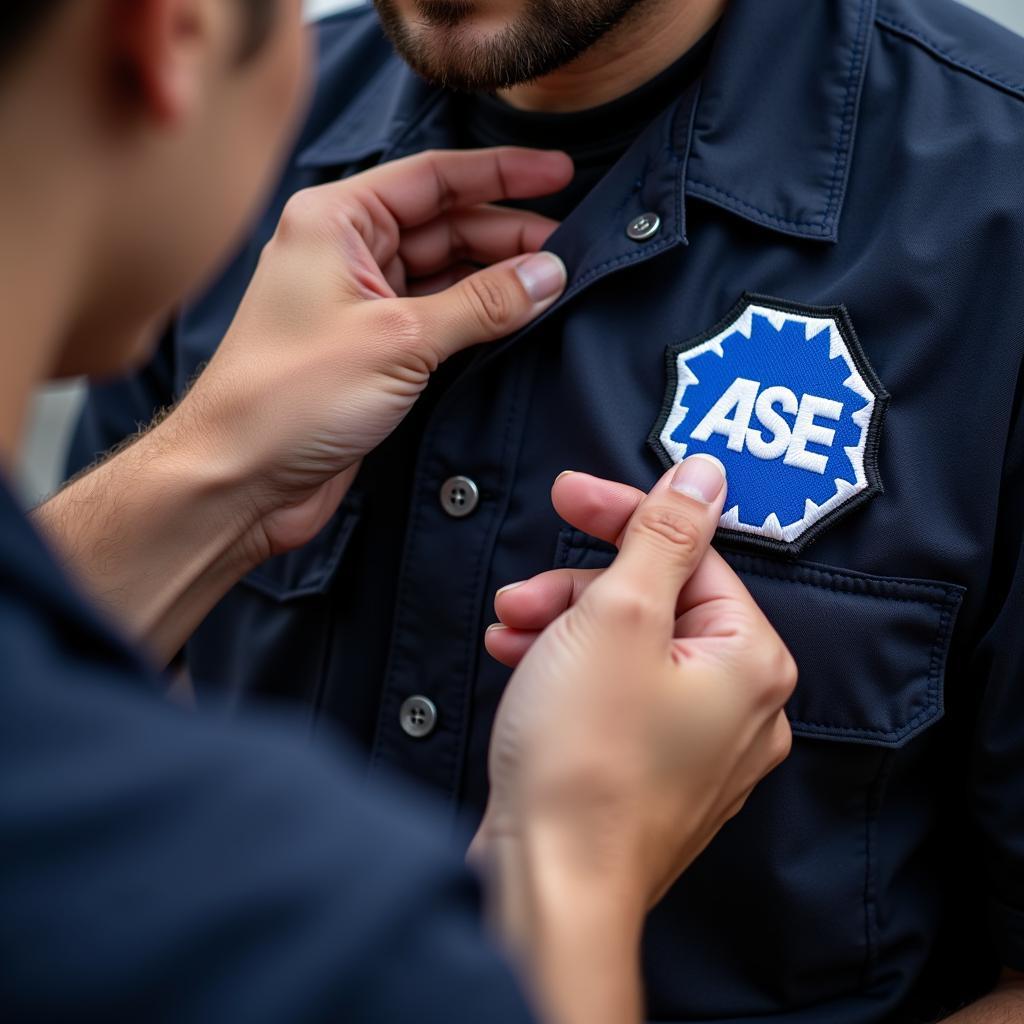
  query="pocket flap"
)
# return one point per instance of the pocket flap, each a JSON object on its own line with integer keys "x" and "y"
{"x": 871, "y": 650}
{"x": 307, "y": 570}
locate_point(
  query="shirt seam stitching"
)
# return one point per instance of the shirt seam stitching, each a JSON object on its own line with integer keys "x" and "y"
{"x": 849, "y": 108}
{"x": 898, "y": 28}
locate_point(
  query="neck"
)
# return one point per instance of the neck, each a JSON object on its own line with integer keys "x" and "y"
{"x": 43, "y": 246}
{"x": 651, "y": 38}
{"x": 32, "y": 304}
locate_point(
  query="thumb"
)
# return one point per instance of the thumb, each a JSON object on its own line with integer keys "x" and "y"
{"x": 669, "y": 534}
{"x": 492, "y": 303}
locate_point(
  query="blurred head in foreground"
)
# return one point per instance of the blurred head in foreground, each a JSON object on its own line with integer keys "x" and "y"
{"x": 138, "y": 138}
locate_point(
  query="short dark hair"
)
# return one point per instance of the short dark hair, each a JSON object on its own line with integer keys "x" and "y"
{"x": 19, "y": 22}
{"x": 21, "y": 19}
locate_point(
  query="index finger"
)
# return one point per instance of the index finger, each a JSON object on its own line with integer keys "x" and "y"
{"x": 598, "y": 507}
{"x": 416, "y": 189}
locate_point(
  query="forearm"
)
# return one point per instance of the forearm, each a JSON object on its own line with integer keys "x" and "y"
{"x": 1001, "y": 1006}
{"x": 575, "y": 936}
{"x": 157, "y": 534}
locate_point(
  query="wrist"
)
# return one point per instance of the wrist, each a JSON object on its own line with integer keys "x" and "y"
{"x": 205, "y": 476}
{"x": 576, "y": 885}
{"x": 574, "y": 928}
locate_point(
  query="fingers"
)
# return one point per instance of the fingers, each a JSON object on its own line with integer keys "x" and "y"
{"x": 481, "y": 234}
{"x": 527, "y": 609}
{"x": 508, "y": 646}
{"x": 602, "y": 509}
{"x": 598, "y": 507}
{"x": 419, "y": 188}
{"x": 491, "y": 303}
{"x": 667, "y": 537}
{"x": 535, "y": 604}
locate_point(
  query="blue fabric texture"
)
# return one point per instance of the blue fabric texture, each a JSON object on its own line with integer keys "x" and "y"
{"x": 840, "y": 154}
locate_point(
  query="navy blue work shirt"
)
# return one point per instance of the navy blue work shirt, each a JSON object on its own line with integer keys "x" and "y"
{"x": 811, "y": 265}
{"x": 160, "y": 865}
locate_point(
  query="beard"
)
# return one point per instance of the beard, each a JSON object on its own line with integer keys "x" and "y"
{"x": 441, "y": 45}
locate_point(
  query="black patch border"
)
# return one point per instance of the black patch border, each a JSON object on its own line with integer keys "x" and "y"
{"x": 841, "y": 316}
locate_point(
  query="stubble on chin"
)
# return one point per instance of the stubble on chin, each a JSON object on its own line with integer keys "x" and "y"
{"x": 439, "y": 42}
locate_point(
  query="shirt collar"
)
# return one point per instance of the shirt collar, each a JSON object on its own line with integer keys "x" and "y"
{"x": 778, "y": 111}
{"x": 772, "y": 134}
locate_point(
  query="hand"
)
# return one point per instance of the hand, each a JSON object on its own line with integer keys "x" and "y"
{"x": 647, "y": 702}
{"x": 344, "y": 323}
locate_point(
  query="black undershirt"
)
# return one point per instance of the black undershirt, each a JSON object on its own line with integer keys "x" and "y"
{"x": 594, "y": 138}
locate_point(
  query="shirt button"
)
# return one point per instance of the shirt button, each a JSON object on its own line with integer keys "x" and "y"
{"x": 647, "y": 225}
{"x": 418, "y": 717}
{"x": 459, "y": 496}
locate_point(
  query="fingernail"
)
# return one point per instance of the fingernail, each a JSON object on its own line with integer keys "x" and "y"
{"x": 565, "y": 472}
{"x": 543, "y": 275}
{"x": 495, "y": 626}
{"x": 510, "y": 586}
{"x": 700, "y": 477}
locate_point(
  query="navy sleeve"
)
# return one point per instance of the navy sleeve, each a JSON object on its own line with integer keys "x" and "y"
{"x": 157, "y": 865}
{"x": 115, "y": 410}
{"x": 998, "y": 769}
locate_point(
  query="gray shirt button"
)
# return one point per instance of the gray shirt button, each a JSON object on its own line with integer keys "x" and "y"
{"x": 418, "y": 717}
{"x": 647, "y": 225}
{"x": 459, "y": 496}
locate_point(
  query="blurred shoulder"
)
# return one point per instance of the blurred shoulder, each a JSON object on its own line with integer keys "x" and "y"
{"x": 988, "y": 57}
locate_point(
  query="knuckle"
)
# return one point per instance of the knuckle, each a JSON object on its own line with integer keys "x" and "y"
{"x": 490, "y": 302}
{"x": 671, "y": 525}
{"x": 627, "y": 606}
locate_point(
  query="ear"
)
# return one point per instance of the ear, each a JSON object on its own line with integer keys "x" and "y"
{"x": 165, "y": 48}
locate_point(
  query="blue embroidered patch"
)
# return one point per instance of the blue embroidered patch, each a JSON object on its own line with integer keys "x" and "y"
{"x": 784, "y": 396}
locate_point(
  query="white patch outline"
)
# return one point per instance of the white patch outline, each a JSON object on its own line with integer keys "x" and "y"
{"x": 771, "y": 528}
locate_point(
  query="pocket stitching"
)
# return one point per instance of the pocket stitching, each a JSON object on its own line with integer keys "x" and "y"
{"x": 859, "y": 585}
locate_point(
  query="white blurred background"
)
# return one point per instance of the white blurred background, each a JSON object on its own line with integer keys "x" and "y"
{"x": 57, "y": 407}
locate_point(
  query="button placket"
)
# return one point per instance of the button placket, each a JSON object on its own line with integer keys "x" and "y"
{"x": 441, "y": 589}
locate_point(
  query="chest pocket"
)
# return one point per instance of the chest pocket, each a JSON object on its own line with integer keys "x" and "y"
{"x": 793, "y": 901}
{"x": 270, "y": 636}
{"x": 871, "y": 650}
